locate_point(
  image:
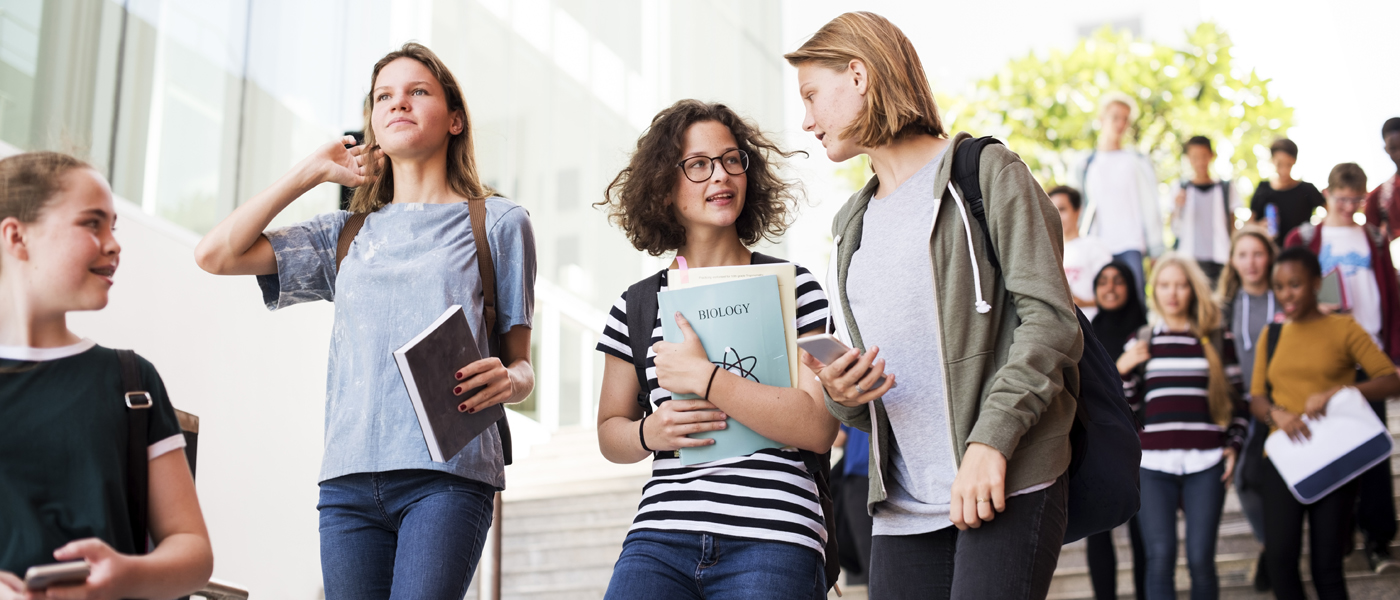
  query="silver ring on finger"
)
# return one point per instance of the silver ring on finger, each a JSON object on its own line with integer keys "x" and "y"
{"x": 859, "y": 390}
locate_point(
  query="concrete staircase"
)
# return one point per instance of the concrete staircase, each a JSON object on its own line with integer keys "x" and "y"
{"x": 568, "y": 509}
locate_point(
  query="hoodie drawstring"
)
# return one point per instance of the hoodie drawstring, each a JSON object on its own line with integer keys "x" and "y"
{"x": 982, "y": 306}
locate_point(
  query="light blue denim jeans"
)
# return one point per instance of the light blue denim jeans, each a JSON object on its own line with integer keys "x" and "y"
{"x": 680, "y": 565}
{"x": 410, "y": 534}
{"x": 1201, "y": 496}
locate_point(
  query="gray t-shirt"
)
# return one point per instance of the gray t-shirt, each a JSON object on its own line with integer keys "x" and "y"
{"x": 1249, "y": 315}
{"x": 407, "y": 265}
{"x": 893, "y": 262}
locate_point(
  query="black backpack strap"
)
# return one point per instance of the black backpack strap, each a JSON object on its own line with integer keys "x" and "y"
{"x": 138, "y": 404}
{"x": 641, "y": 319}
{"x": 966, "y": 161}
{"x": 1270, "y": 345}
{"x": 819, "y": 466}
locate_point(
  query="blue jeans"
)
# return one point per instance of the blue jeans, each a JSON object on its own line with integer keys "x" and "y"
{"x": 1201, "y": 496}
{"x": 1133, "y": 258}
{"x": 410, "y": 534}
{"x": 677, "y": 565}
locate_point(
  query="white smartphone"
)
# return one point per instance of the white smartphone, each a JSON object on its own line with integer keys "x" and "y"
{"x": 826, "y": 348}
{"x": 43, "y": 577}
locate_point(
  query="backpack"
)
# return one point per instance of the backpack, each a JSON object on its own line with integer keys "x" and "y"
{"x": 1106, "y": 452}
{"x": 641, "y": 320}
{"x": 485, "y": 266}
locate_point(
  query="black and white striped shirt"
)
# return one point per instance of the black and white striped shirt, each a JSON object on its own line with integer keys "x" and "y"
{"x": 767, "y": 495}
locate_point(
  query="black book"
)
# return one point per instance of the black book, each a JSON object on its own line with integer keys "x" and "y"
{"x": 429, "y": 365}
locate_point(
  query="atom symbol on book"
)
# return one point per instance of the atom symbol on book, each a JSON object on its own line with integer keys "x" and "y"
{"x": 739, "y": 365}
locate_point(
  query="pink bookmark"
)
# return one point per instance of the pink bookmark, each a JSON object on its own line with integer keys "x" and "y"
{"x": 685, "y": 270}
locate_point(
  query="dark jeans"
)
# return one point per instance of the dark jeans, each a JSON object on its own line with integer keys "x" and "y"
{"x": 853, "y": 524}
{"x": 402, "y": 534}
{"x": 1329, "y": 535}
{"x": 1201, "y": 496}
{"x": 681, "y": 565}
{"x": 1103, "y": 563}
{"x": 1012, "y": 557}
{"x": 1375, "y": 502}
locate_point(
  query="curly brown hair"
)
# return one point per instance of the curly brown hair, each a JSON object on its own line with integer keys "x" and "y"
{"x": 636, "y": 198}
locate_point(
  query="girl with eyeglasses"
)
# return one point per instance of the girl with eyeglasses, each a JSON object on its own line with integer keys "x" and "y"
{"x": 703, "y": 184}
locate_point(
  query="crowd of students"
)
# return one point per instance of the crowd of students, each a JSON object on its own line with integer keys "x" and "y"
{"x": 958, "y": 465}
{"x": 1195, "y": 366}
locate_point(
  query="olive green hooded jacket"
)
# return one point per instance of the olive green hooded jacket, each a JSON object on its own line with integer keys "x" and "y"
{"x": 1010, "y": 373}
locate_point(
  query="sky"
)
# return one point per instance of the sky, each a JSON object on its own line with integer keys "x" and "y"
{"x": 1333, "y": 62}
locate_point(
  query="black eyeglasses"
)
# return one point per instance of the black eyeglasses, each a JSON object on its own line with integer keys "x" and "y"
{"x": 699, "y": 168}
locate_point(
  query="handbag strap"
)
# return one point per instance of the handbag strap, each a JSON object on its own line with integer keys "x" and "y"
{"x": 1271, "y": 344}
{"x": 138, "y": 404}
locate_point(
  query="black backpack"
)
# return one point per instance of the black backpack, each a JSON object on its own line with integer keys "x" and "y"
{"x": 1106, "y": 452}
{"x": 641, "y": 320}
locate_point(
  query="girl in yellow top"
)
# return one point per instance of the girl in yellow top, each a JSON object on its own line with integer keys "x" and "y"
{"x": 1316, "y": 357}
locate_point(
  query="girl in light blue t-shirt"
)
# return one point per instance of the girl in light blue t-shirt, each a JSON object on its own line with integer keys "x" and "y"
{"x": 393, "y": 521}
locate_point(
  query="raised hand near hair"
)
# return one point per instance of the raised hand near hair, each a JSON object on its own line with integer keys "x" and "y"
{"x": 344, "y": 166}
{"x": 850, "y": 380}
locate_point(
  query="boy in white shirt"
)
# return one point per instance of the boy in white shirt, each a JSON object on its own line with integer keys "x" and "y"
{"x": 1119, "y": 185}
{"x": 1203, "y": 214}
{"x": 1084, "y": 255}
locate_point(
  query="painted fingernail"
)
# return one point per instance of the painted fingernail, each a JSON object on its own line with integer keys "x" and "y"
{"x": 471, "y": 410}
{"x": 459, "y": 376}
{"x": 457, "y": 390}
{"x": 462, "y": 408}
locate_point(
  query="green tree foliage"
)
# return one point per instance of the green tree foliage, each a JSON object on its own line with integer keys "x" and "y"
{"x": 1045, "y": 107}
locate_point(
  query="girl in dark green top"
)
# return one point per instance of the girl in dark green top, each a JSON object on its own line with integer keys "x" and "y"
{"x": 63, "y": 493}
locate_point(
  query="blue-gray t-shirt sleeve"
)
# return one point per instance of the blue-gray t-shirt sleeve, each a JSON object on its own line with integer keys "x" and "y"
{"x": 305, "y": 261}
{"x": 513, "y": 250}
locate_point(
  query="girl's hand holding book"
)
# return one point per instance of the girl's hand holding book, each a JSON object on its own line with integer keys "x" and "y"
{"x": 1316, "y": 407}
{"x": 489, "y": 373}
{"x": 683, "y": 368}
{"x": 674, "y": 420}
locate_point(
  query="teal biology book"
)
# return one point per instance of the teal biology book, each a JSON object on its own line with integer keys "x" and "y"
{"x": 740, "y": 323}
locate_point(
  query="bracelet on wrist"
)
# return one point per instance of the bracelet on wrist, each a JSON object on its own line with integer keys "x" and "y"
{"x": 711, "y": 383}
{"x": 642, "y": 433}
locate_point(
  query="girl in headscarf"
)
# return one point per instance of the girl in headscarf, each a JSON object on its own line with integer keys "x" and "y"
{"x": 1120, "y": 316}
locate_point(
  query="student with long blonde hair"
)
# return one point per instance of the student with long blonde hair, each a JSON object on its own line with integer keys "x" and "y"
{"x": 1194, "y": 417}
{"x": 395, "y": 523}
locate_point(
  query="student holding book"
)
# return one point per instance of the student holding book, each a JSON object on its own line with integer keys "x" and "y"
{"x": 970, "y": 445}
{"x": 64, "y": 486}
{"x": 704, "y": 183}
{"x": 394, "y": 522}
{"x": 1316, "y": 356}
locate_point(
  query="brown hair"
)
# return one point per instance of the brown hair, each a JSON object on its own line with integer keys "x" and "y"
{"x": 1347, "y": 175}
{"x": 898, "y": 99}
{"x": 1229, "y": 283}
{"x": 1285, "y": 146}
{"x": 28, "y": 181}
{"x": 1203, "y": 314}
{"x": 636, "y": 198}
{"x": 461, "y": 154}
